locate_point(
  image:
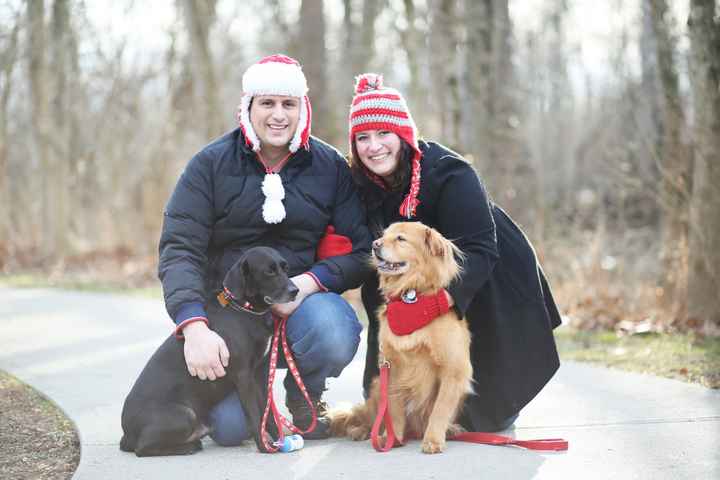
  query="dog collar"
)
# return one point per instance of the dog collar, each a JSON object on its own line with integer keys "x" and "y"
{"x": 226, "y": 299}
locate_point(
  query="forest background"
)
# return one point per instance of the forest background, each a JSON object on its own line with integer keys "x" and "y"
{"x": 595, "y": 124}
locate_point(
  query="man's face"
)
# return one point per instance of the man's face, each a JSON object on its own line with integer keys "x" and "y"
{"x": 275, "y": 119}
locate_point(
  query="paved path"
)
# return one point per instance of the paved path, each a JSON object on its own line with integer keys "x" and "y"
{"x": 85, "y": 350}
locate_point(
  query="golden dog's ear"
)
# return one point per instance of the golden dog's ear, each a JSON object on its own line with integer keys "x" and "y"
{"x": 435, "y": 242}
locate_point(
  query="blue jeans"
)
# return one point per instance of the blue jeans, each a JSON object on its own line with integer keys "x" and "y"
{"x": 323, "y": 334}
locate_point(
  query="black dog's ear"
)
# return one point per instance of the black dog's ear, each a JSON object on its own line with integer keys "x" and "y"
{"x": 236, "y": 279}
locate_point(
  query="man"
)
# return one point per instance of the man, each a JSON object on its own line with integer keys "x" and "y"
{"x": 267, "y": 183}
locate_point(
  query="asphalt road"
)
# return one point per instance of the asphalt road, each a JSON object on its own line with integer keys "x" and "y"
{"x": 85, "y": 350}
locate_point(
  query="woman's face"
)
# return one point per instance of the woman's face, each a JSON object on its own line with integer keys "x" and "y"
{"x": 379, "y": 151}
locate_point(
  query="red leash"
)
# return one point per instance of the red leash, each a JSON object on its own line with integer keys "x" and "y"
{"x": 383, "y": 414}
{"x": 280, "y": 420}
{"x": 550, "y": 444}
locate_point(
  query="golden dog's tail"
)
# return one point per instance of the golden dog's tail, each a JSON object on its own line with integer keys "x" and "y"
{"x": 339, "y": 421}
{"x": 356, "y": 422}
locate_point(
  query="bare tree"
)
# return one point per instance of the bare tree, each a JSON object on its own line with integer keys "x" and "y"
{"x": 199, "y": 19}
{"x": 413, "y": 42}
{"x": 674, "y": 156}
{"x": 313, "y": 55}
{"x": 37, "y": 72}
{"x": 443, "y": 70}
{"x": 8, "y": 60}
{"x": 704, "y": 255}
{"x": 490, "y": 114}
{"x": 61, "y": 46}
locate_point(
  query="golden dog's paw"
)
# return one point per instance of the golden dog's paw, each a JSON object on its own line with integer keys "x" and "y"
{"x": 398, "y": 442}
{"x": 454, "y": 429}
{"x": 433, "y": 446}
{"x": 358, "y": 433}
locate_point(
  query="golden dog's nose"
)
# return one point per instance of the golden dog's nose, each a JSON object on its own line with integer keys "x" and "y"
{"x": 377, "y": 243}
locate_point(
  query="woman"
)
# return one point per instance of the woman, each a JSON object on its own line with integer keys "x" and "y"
{"x": 502, "y": 291}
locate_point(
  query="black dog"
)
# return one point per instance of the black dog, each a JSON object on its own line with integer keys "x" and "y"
{"x": 166, "y": 411}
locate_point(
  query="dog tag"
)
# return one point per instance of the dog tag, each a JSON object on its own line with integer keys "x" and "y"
{"x": 409, "y": 297}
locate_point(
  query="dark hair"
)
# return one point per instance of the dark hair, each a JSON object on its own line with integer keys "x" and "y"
{"x": 400, "y": 178}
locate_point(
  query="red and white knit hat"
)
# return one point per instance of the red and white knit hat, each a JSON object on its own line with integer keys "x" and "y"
{"x": 275, "y": 75}
{"x": 376, "y": 107}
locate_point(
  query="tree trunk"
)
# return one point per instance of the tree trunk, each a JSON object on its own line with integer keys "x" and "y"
{"x": 61, "y": 126}
{"x": 199, "y": 18}
{"x": 367, "y": 37}
{"x": 313, "y": 57}
{"x": 443, "y": 70}
{"x": 9, "y": 58}
{"x": 490, "y": 117}
{"x": 651, "y": 115}
{"x": 413, "y": 44}
{"x": 704, "y": 255}
{"x": 37, "y": 72}
{"x": 674, "y": 157}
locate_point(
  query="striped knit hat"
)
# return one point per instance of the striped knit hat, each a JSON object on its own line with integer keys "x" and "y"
{"x": 376, "y": 107}
{"x": 275, "y": 75}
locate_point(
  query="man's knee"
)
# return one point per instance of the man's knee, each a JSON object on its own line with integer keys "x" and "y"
{"x": 327, "y": 324}
{"x": 227, "y": 422}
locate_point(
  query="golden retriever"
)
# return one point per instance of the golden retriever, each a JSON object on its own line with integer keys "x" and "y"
{"x": 430, "y": 369}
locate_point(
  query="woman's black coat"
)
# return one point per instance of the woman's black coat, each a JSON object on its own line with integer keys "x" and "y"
{"x": 503, "y": 292}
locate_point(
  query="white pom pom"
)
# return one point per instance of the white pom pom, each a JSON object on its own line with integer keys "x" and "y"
{"x": 273, "y": 208}
{"x": 273, "y": 211}
{"x": 272, "y": 187}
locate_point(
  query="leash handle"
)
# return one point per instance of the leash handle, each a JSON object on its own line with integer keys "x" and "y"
{"x": 547, "y": 444}
{"x": 383, "y": 415}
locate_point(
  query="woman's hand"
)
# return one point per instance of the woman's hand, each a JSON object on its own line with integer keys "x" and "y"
{"x": 206, "y": 353}
{"x": 306, "y": 286}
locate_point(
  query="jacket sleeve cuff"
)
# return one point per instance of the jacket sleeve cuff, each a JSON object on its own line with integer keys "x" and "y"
{"x": 320, "y": 274}
{"x": 179, "y": 329}
{"x": 188, "y": 311}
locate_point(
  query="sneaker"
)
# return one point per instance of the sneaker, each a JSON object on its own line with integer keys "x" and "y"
{"x": 302, "y": 417}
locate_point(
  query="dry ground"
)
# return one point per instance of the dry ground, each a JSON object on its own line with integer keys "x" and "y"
{"x": 38, "y": 442}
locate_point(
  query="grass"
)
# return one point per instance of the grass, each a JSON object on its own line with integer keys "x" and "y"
{"x": 685, "y": 357}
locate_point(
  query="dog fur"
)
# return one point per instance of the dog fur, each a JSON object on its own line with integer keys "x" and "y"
{"x": 166, "y": 411}
{"x": 430, "y": 369}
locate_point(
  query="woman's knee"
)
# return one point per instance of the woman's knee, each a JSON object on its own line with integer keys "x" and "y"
{"x": 227, "y": 422}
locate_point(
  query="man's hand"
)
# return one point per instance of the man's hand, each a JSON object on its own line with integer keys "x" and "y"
{"x": 205, "y": 352}
{"x": 306, "y": 286}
